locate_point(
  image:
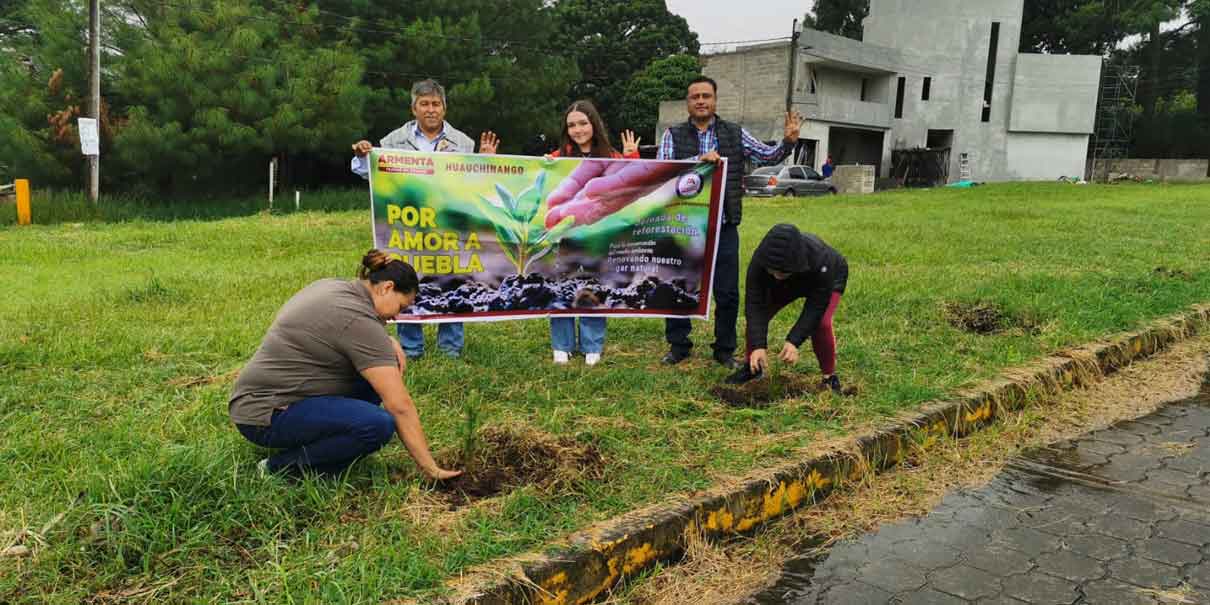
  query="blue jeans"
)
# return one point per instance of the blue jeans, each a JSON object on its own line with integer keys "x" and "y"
{"x": 323, "y": 434}
{"x": 726, "y": 300}
{"x": 450, "y": 339}
{"x": 592, "y": 334}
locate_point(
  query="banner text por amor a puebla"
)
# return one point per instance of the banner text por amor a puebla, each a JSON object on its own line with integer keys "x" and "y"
{"x": 503, "y": 237}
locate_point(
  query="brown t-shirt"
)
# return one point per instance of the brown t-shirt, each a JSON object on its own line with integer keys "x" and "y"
{"x": 320, "y": 341}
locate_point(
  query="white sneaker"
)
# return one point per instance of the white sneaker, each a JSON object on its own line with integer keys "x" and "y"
{"x": 262, "y": 468}
{"x": 592, "y": 359}
{"x": 562, "y": 357}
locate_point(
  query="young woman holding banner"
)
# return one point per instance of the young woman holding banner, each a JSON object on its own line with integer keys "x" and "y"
{"x": 585, "y": 136}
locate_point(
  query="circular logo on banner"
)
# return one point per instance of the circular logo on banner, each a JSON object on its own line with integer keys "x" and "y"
{"x": 689, "y": 185}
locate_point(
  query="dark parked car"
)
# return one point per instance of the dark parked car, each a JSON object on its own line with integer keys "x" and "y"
{"x": 786, "y": 180}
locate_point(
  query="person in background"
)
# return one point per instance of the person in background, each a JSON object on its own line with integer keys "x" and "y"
{"x": 428, "y": 132}
{"x": 709, "y": 138}
{"x": 828, "y": 168}
{"x": 789, "y": 265}
{"x": 325, "y": 387}
{"x": 584, "y": 136}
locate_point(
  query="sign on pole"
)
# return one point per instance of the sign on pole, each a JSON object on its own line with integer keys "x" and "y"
{"x": 90, "y": 139}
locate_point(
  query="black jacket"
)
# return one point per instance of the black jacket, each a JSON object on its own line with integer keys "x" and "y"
{"x": 685, "y": 144}
{"x": 816, "y": 271}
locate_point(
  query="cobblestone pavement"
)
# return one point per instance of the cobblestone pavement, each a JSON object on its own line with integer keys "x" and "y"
{"x": 1120, "y": 515}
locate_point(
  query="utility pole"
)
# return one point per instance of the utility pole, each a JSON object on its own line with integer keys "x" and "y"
{"x": 794, "y": 33}
{"x": 94, "y": 95}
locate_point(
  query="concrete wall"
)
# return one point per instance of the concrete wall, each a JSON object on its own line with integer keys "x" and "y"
{"x": 1156, "y": 169}
{"x": 752, "y": 85}
{"x": 842, "y": 110}
{"x": 925, "y": 24}
{"x": 1055, "y": 93}
{"x": 671, "y": 112}
{"x": 854, "y": 179}
{"x": 817, "y": 46}
{"x": 947, "y": 41}
{"x": 1046, "y": 156}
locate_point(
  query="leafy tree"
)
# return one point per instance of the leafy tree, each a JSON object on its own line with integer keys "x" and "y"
{"x": 1088, "y": 27}
{"x": 219, "y": 86}
{"x": 496, "y": 59}
{"x": 42, "y": 83}
{"x": 13, "y": 21}
{"x": 1199, "y": 11}
{"x": 663, "y": 80}
{"x": 612, "y": 40}
{"x": 1144, "y": 17}
{"x": 840, "y": 17}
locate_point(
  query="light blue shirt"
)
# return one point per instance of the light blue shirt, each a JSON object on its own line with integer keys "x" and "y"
{"x": 361, "y": 167}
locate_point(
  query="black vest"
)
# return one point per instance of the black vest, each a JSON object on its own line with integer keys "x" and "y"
{"x": 731, "y": 146}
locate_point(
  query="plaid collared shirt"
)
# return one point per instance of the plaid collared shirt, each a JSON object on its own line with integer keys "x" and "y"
{"x": 707, "y": 141}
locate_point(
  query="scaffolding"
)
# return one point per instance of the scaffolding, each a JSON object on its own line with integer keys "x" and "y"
{"x": 1114, "y": 128}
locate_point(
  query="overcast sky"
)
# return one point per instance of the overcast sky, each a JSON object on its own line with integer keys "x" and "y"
{"x": 723, "y": 20}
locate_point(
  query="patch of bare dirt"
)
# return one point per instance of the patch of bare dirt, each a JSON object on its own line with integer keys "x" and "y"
{"x": 986, "y": 317}
{"x": 767, "y": 391}
{"x": 1179, "y": 274}
{"x": 506, "y": 459}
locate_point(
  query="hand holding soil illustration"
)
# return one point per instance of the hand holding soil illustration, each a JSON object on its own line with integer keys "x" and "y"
{"x": 597, "y": 189}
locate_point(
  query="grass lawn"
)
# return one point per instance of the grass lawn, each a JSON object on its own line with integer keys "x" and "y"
{"x": 119, "y": 343}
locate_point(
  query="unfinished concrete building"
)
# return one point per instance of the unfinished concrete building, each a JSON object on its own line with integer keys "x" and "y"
{"x": 941, "y": 74}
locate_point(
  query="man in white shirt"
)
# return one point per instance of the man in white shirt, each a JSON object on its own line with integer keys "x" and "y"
{"x": 428, "y": 132}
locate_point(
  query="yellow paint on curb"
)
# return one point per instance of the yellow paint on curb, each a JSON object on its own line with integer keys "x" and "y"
{"x": 983, "y": 412}
{"x": 1047, "y": 376}
{"x": 637, "y": 558}
{"x": 554, "y": 590}
{"x": 720, "y": 520}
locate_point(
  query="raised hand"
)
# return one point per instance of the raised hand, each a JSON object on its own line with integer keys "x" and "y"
{"x": 488, "y": 142}
{"x": 361, "y": 148}
{"x": 630, "y": 143}
{"x": 794, "y": 123}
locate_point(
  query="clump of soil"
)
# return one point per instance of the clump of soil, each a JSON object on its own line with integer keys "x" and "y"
{"x": 1173, "y": 273}
{"x": 763, "y": 392}
{"x": 982, "y": 317}
{"x": 505, "y": 459}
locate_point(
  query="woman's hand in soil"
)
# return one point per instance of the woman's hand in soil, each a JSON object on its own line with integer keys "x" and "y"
{"x": 440, "y": 474}
{"x": 789, "y": 353}
{"x": 597, "y": 189}
{"x": 758, "y": 361}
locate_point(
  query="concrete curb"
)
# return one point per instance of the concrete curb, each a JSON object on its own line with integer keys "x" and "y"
{"x": 588, "y": 563}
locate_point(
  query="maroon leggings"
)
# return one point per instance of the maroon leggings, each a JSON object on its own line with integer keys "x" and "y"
{"x": 823, "y": 341}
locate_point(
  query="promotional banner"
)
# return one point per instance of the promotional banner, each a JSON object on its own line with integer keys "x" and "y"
{"x": 504, "y": 237}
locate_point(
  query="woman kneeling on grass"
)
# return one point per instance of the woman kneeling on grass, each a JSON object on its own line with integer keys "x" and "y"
{"x": 314, "y": 387}
{"x": 789, "y": 265}
{"x": 585, "y": 136}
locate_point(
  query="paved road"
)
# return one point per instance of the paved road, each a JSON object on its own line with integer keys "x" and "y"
{"x": 1120, "y": 515}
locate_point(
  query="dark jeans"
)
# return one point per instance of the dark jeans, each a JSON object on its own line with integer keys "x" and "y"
{"x": 726, "y": 300}
{"x": 323, "y": 434}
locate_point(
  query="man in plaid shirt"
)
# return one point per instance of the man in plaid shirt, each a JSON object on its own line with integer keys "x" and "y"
{"x": 709, "y": 138}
